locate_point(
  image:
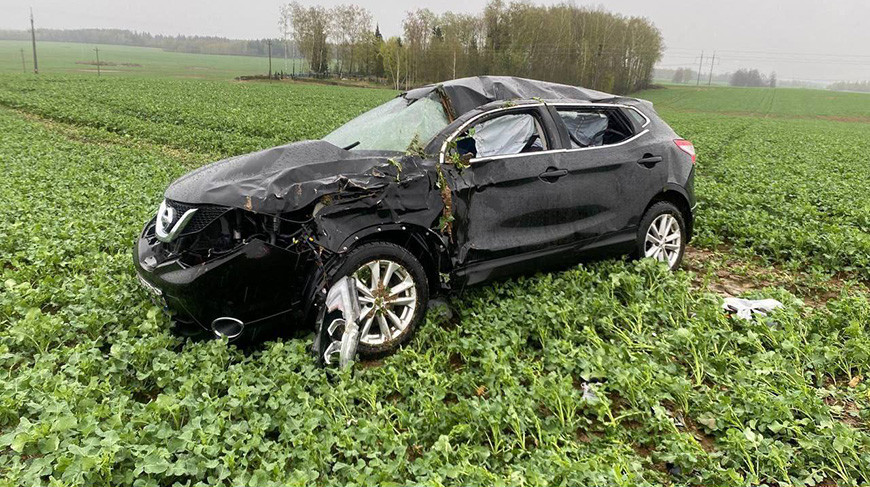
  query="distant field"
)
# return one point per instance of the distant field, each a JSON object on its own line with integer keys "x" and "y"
{"x": 64, "y": 57}
{"x": 780, "y": 174}
{"x": 780, "y": 102}
{"x": 214, "y": 117}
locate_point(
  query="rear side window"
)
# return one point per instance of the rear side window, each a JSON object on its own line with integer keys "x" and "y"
{"x": 636, "y": 116}
{"x": 503, "y": 135}
{"x": 594, "y": 127}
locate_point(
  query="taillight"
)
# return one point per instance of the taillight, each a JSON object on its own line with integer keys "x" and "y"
{"x": 686, "y": 147}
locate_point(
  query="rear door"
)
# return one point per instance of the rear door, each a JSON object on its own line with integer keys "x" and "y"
{"x": 614, "y": 169}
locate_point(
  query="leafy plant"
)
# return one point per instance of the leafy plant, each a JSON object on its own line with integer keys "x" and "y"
{"x": 612, "y": 373}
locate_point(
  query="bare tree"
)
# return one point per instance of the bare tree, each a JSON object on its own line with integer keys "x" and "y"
{"x": 351, "y": 28}
{"x": 418, "y": 26}
{"x": 286, "y": 29}
{"x": 393, "y": 56}
{"x": 309, "y": 29}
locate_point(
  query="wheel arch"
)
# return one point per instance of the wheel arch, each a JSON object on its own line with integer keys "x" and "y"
{"x": 675, "y": 195}
{"x": 423, "y": 243}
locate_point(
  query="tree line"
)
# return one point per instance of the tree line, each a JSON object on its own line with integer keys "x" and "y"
{"x": 741, "y": 77}
{"x": 752, "y": 77}
{"x": 862, "y": 86}
{"x": 562, "y": 43}
{"x": 179, "y": 43}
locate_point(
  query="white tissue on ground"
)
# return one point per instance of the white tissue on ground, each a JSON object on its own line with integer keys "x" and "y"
{"x": 746, "y": 308}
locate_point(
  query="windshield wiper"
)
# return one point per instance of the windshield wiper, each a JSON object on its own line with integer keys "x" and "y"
{"x": 351, "y": 146}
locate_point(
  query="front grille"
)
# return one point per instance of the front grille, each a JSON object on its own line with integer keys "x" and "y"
{"x": 205, "y": 215}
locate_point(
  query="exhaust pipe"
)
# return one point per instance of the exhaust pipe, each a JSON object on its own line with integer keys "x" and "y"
{"x": 226, "y": 327}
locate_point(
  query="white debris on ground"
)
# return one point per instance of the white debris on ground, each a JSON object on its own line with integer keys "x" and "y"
{"x": 589, "y": 392}
{"x": 746, "y": 308}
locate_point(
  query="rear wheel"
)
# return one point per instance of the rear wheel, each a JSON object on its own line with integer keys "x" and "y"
{"x": 662, "y": 234}
{"x": 393, "y": 292}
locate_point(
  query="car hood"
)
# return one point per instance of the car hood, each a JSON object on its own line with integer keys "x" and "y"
{"x": 286, "y": 178}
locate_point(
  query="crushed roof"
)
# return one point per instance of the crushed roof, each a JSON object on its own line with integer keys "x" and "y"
{"x": 466, "y": 94}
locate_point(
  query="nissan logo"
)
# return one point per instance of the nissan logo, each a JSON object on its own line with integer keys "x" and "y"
{"x": 165, "y": 230}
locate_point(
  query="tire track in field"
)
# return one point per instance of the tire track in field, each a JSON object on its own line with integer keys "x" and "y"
{"x": 87, "y": 134}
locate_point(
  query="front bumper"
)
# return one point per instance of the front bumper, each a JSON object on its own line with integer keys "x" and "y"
{"x": 257, "y": 283}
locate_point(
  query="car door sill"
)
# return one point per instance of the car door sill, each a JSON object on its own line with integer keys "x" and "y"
{"x": 561, "y": 255}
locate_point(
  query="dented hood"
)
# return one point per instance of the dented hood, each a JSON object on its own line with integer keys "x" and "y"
{"x": 281, "y": 179}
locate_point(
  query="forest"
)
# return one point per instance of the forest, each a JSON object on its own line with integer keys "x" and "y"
{"x": 562, "y": 43}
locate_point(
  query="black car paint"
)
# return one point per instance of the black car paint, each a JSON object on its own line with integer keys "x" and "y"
{"x": 510, "y": 216}
{"x": 255, "y": 282}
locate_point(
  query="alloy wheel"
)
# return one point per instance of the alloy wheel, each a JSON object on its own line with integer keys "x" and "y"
{"x": 388, "y": 299}
{"x": 664, "y": 240}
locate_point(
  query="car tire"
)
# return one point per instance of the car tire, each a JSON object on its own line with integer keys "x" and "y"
{"x": 662, "y": 234}
{"x": 378, "y": 301}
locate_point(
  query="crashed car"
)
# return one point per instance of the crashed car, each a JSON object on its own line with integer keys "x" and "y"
{"x": 444, "y": 186}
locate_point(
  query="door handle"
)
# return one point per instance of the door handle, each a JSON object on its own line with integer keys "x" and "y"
{"x": 649, "y": 160}
{"x": 553, "y": 174}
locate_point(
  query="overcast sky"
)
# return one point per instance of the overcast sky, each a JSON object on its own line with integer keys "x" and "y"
{"x": 823, "y": 40}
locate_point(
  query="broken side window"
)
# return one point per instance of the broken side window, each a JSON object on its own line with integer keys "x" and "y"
{"x": 504, "y": 135}
{"x": 594, "y": 127}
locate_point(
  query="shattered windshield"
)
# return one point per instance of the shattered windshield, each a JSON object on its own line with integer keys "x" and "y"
{"x": 393, "y": 125}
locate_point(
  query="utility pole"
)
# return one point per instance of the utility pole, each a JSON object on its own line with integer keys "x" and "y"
{"x": 700, "y": 67}
{"x": 709, "y": 81}
{"x": 23, "y": 64}
{"x": 269, "y": 42}
{"x": 97, "y": 50}
{"x": 33, "y": 39}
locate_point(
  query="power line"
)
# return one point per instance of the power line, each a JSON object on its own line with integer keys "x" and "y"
{"x": 775, "y": 53}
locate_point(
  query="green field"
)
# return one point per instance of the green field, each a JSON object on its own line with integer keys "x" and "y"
{"x": 612, "y": 373}
{"x": 788, "y": 183}
{"x": 70, "y": 57}
{"x": 764, "y": 102}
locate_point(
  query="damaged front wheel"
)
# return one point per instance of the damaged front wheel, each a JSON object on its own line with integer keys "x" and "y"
{"x": 392, "y": 291}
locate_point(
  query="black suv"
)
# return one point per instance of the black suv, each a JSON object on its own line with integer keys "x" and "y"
{"x": 444, "y": 186}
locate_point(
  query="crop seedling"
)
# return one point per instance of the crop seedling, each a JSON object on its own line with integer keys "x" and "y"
{"x": 610, "y": 373}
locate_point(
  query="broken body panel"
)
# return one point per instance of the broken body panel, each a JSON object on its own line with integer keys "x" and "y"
{"x": 287, "y": 215}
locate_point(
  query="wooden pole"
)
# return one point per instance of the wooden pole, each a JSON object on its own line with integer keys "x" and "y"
{"x": 33, "y": 40}
{"x": 712, "y": 62}
{"x": 97, "y": 50}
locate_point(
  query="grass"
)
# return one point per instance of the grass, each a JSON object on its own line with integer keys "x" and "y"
{"x": 763, "y": 102}
{"x": 213, "y": 117}
{"x": 611, "y": 373}
{"x": 72, "y": 58}
{"x": 786, "y": 187}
